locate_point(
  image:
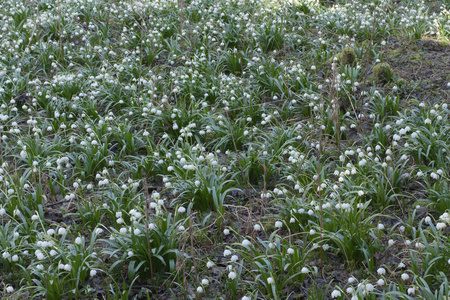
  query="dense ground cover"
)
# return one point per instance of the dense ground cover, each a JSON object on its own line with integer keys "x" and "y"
{"x": 224, "y": 149}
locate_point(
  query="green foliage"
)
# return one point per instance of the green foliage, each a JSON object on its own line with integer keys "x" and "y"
{"x": 130, "y": 247}
{"x": 140, "y": 139}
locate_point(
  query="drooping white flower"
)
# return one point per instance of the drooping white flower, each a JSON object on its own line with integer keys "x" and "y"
{"x": 440, "y": 226}
{"x": 40, "y": 255}
{"x": 369, "y": 287}
{"x": 246, "y": 243}
{"x": 232, "y": 275}
{"x": 6, "y": 255}
{"x": 335, "y": 294}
